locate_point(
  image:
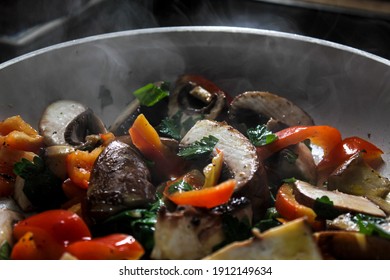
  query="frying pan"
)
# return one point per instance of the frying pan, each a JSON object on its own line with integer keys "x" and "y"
{"x": 337, "y": 85}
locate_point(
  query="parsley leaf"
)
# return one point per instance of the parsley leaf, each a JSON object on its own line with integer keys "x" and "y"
{"x": 324, "y": 208}
{"x": 371, "y": 225}
{"x": 138, "y": 222}
{"x": 269, "y": 220}
{"x": 150, "y": 94}
{"x": 171, "y": 126}
{"x": 199, "y": 148}
{"x": 180, "y": 186}
{"x": 41, "y": 186}
{"x": 260, "y": 136}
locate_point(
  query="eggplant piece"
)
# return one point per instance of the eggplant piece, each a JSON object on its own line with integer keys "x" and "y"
{"x": 356, "y": 177}
{"x": 120, "y": 179}
{"x": 349, "y": 245}
{"x": 66, "y": 122}
{"x": 252, "y": 108}
{"x": 307, "y": 194}
{"x": 240, "y": 158}
{"x": 293, "y": 240}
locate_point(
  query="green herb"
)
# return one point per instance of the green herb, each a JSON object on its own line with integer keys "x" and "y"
{"x": 41, "y": 186}
{"x": 260, "y": 136}
{"x": 289, "y": 180}
{"x": 324, "y": 208}
{"x": 150, "y": 94}
{"x": 180, "y": 186}
{"x": 5, "y": 251}
{"x": 174, "y": 127}
{"x": 171, "y": 126}
{"x": 234, "y": 230}
{"x": 140, "y": 223}
{"x": 203, "y": 147}
{"x": 269, "y": 220}
{"x": 371, "y": 225}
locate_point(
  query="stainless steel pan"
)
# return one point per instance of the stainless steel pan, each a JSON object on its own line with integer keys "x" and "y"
{"x": 337, "y": 85}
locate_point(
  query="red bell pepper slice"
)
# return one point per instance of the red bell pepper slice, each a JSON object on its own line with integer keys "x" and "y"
{"x": 51, "y": 231}
{"x": 111, "y": 247}
{"x": 326, "y": 137}
{"x": 345, "y": 150}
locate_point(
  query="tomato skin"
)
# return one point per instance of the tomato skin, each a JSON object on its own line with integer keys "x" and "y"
{"x": 290, "y": 209}
{"x": 64, "y": 226}
{"x": 326, "y": 137}
{"x": 111, "y": 247}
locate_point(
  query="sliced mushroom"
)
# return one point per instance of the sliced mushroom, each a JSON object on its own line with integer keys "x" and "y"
{"x": 240, "y": 159}
{"x": 196, "y": 97}
{"x": 294, "y": 162}
{"x": 193, "y": 233}
{"x": 55, "y": 158}
{"x": 252, "y": 108}
{"x": 358, "y": 178}
{"x": 293, "y": 240}
{"x": 307, "y": 194}
{"x": 119, "y": 180}
{"x": 188, "y": 233}
{"x": 349, "y": 245}
{"x": 67, "y": 122}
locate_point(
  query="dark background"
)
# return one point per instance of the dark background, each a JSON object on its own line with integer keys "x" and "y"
{"x": 26, "y": 25}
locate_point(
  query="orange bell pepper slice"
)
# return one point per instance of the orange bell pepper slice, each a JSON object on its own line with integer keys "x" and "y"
{"x": 326, "y": 137}
{"x": 290, "y": 209}
{"x": 111, "y": 247}
{"x": 205, "y": 197}
{"x": 79, "y": 165}
{"x": 147, "y": 141}
{"x": 19, "y": 135}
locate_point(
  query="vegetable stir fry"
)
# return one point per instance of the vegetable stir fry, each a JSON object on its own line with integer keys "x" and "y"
{"x": 189, "y": 172}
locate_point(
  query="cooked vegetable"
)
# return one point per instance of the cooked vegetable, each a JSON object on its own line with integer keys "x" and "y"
{"x": 199, "y": 148}
{"x": 324, "y": 136}
{"x": 206, "y": 197}
{"x": 307, "y": 195}
{"x": 150, "y": 94}
{"x": 111, "y": 247}
{"x": 66, "y": 122}
{"x": 41, "y": 187}
{"x": 356, "y": 177}
{"x": 292, "y": 240}
{"x": 147, "y": 140}
{"x": 45, "y": 235}
{"x": 119, "y": 180}
{"x": 253, "y": 108}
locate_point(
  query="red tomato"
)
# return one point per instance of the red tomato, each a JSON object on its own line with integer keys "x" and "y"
{"x": 111, "y": 247}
